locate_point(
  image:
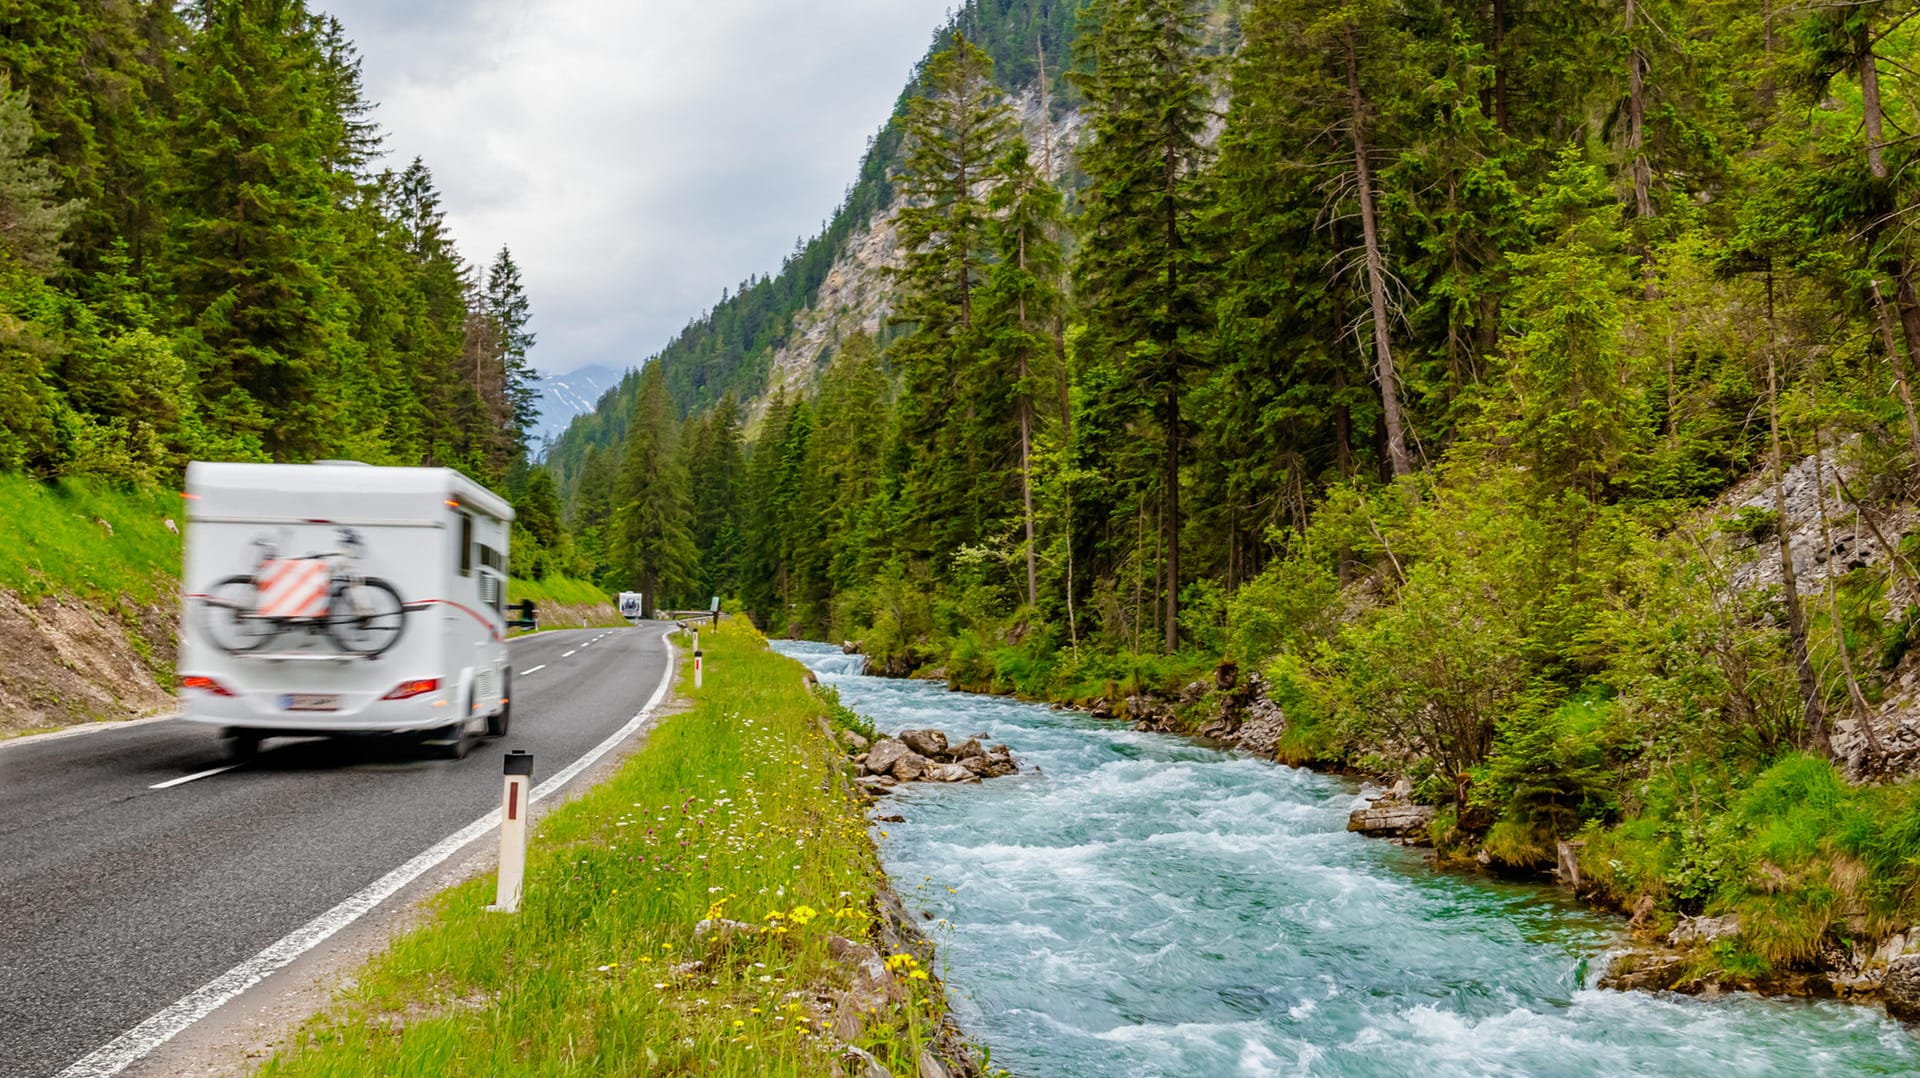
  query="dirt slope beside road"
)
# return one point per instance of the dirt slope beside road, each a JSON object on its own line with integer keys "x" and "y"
{"x": 64, "y": 661}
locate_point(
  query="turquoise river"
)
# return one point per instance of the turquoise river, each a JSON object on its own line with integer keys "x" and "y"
{"x": 1138, "y": 905}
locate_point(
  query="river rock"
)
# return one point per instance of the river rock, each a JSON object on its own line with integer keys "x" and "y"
{"x": 884, "y": 754}
{"x": 1698, "y": 931}
{"x": 1644, "y": 970}
{"x": 1901, "y": 988}
{"x": 876, "y": 784}
{"x": 950, "y": 773}
{"x": 910, "y": 766}
{"x": 929, "y": 743}
{"x": 854, "y": 741}
{"x": 1391, "y": 816}
{"x": 863, "y": 1064}
{"x": 970, "y": 748}
{"x": 931, "y": 1067}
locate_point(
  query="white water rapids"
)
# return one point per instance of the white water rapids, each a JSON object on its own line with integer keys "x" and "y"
{"x": 1138, "y": 905}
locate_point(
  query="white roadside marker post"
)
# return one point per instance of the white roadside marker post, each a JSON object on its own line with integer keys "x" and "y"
{"x": 513, "y": 832}
{"x": 697, "y": 666}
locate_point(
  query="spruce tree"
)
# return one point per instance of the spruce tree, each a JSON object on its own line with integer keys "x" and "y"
{"x": 956, "y": 129}
{"x": 653, "y": 519}
{"x": 1140, "y": 269}
{"x": 505, "y": 302}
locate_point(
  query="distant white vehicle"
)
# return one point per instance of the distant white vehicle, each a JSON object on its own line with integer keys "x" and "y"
{"x": 633, "y": 605}
{"x": 338, "y": 598}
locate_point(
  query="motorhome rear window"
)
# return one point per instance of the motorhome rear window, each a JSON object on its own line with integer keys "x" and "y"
{"x": 466, "y": 545}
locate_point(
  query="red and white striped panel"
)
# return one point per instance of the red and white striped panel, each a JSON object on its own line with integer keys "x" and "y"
{"x": 293, "y": 588}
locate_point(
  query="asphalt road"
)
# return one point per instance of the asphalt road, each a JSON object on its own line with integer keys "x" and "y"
{"x": 117, "y": 899}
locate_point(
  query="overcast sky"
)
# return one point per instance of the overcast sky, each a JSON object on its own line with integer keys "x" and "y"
{"x": 637, "y": 155}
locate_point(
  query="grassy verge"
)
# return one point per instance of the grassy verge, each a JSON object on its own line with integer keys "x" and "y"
{"x": 55, "y": 543}
{"x": 566, "y": 603}
{"x": 737, "y": 809}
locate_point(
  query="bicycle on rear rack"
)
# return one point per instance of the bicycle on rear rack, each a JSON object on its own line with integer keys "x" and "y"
{"x": 362, "y": 615}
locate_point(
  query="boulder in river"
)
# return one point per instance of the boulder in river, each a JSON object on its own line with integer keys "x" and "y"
{"x": 950, "y": 773}
{"x": 910, "y": 766}
{"x": 929, "y": 743}
{"x": 1392, "y": 815}
{"x": 884, "y": 754}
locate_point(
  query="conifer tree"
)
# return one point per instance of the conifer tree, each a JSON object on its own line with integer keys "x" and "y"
{"x": 1140, "y": 269}
{"x": 653, "y": 520}
{"x": 955, "y": 130}
{"x": 506, "y": 303}
{"x": 1024, "y": 302}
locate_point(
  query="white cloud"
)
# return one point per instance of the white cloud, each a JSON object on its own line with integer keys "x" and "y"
{"x": 637, "y": 157}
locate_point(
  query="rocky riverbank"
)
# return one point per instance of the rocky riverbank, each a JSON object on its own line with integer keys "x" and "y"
{"x": 1236, "y": 710}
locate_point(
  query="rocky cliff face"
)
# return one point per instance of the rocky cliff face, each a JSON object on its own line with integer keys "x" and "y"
{"x": 857, "y": 295}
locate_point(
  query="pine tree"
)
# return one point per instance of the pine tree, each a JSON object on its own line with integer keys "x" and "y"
{"x": 506, "y": 303}
{"x": 32, "y": 215}
{"x": 956, "y": 129}
{"x": 1024, "y": 303}
{"x": 653, "y": 519}
{"x": 1140, "y": 270}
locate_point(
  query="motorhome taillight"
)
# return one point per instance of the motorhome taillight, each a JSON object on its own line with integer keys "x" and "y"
{"x": 205, "y": 684}
{"x": 407, "y": 690}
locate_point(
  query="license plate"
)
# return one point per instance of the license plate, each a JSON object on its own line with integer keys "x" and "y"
{"x": 310, "y": 701}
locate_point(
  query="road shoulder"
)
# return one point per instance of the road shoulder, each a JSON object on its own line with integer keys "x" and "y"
{"x": 239, "y": 1036}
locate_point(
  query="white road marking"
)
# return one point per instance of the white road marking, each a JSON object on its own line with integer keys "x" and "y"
{"x": 133, "y": 1045}
{"x": 569, "y": 654}
{"x": 535, "y": 670}
{"x": 184, "y": 779}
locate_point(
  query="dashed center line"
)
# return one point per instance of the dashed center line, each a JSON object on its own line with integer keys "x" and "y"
{"x": 569, "y": 654}
{"x": 184, "y": 779}
{"x": 535, "y": 670}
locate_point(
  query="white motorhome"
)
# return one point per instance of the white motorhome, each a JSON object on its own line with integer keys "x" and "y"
{"x": 339, "y": 598}
{"x": 633, "y": 605}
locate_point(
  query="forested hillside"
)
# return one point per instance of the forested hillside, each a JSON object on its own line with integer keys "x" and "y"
{"x": 729, "y": 349}
{"x": 199, "y": 258}
{"x": 1406, "y": 354}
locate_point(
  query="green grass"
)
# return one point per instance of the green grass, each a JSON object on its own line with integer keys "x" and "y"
{"x": 736, "y": 809}
{"x": 557, "y": 589}
{"x": 566, "y": 603}
{"x": 54, "y": 545}
{"x": 1804, "y": 857}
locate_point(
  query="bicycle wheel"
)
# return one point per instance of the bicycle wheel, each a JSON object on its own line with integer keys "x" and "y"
{"x": 365, "y": 618}
{"x": 229, "y": 617}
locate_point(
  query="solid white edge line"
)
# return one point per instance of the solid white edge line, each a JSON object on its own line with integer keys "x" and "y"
{"x": 133, "y": 1045}
{"x": 184, "y": 779}
{"x": 534, "y": 670}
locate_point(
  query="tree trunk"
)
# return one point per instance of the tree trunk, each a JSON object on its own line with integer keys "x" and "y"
{"x": 1376, "y": 272}
{"x": 1500, "y": 112}
{"x": 1870, "y": 108}
{"x": 1899, "y": 363}
{"x": 1637, "y": 123}
{"x": 1026, "y": 448}
{"x": 1811, "y": 708}
{"x": 1636, "y": 149}
{"x": 1862, "y": 713}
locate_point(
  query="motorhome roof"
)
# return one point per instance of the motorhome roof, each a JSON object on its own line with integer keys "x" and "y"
{"x": 265, "y": 486}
